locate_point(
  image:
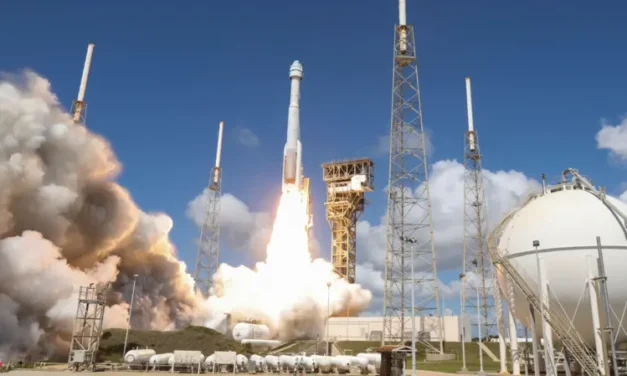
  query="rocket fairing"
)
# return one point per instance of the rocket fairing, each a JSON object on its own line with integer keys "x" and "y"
{"x": 293, "y": 150}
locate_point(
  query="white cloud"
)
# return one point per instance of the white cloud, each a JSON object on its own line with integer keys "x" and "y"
{"x": 246, "y": 137}
{"x": 613, "y": 138}
{"x": 241, "y": 228}
{"x": 504, "y": 190}
{"x": 414, "y": 142}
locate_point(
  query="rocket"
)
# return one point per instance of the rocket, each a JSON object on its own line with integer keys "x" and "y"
{"x": 293, "y": 150}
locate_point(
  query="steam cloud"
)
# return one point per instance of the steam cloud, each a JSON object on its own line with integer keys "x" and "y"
{"x": 64, "y": 223}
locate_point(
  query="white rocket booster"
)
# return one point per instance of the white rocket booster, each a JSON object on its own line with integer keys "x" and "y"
{"x": 292, "y": 153}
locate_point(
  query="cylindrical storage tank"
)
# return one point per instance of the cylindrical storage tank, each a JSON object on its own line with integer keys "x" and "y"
{"x": 306, "y": 362}
{"x": 241, "y": 361}
{"x": 272, "y": 362}
{"x": 361, "y": 363}
{"x": 287, "y": 362}
{"x": 566, "y": 222}
{"x": 250, "y": 331}
{"x": 138, "y": 356}
{"x": 323, "y": 363}
{"x": 209, "y": 362}
{"x": 373, "y": 358}
{"x": 341, "y": 363}
{"x": 256, "y": 362}
{"x": 160, "y": 359}
{"x": 187, "y": 357}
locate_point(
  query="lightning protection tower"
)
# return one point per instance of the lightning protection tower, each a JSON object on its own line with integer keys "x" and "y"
{"x": 79, "y": 106}
{"x": 347, "y": 182}
{"x": 208, "y": 257}
{"x": 478, "y": 285}
{"x": 87, "y": 326}
{"x": 409, "y": 221}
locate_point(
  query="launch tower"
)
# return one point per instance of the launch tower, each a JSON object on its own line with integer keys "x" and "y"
{"x": 409, "y": 221}
{"x": 87, "y": 326}
{"x": 479, "y": 290}
{"x": 79, "y": 106}
{"x": 208, "y": 257}
{"x": 347, "y": 182}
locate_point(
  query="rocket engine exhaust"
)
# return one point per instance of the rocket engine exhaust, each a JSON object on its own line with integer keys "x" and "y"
{"x": 292, "y": 152}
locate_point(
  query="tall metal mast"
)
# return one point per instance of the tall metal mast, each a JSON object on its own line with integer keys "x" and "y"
{"x": 208, "y": 257}
{"x": 409, "y": 204}
{"x": 79, "y": 106}
{"x": 477, "y": 276}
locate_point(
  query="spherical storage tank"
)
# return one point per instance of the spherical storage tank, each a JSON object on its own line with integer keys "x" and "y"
{"x": 566, "y": 219}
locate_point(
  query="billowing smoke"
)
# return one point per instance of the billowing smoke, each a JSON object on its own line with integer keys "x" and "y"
{"x": 290, "y": 292}
{"x": 64, "y": 223}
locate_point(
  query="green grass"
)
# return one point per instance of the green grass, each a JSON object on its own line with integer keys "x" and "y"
{"x": 192, "y": 338}
{"x": 472, "y": 356}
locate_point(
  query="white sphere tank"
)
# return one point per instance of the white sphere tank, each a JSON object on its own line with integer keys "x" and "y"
{"x": 241, "y": 361}
{"x": 567, "y": 218}
{"x": 244, "y": 330}
{"x": 139, "y": 356}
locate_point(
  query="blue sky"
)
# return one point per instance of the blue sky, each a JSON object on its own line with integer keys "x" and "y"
{"x": 164, "y": 74}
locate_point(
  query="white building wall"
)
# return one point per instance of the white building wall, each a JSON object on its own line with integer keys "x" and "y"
{"x": 371, "y": 328}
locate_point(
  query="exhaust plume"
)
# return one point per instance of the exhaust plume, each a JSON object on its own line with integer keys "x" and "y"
{"x": 64, "y": 223}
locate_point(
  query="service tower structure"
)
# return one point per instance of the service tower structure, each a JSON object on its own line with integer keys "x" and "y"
{"x": 79, "y": 106}
{"x": 347, "y": 182}
{"x": 409, "y": 219}
{"x": 208, "y": 257}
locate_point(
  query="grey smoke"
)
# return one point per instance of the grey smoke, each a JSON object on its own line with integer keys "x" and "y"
{"x": 64, "y": 222}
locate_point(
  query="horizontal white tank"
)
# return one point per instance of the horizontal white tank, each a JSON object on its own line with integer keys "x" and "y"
{"x": 341, "y": 363}
{"x": 257, "y": 362}
{"x": 186, "y": 357}
{"x": 272, "y": 362}
{"x": 373, "y": 358}
{"x": 160, "y": 359}
{"x": 241, "y": 361}
{"x": 287, "y": 362}
{"x": 306, "y": 362}
{"x": 361, "y": 363}
{"x": 244, "y": 330}
{"x": 323, "y": 363}
{"x": 139, "y": 356}
{"x": 566, "y": 222}
{"x": 209, "y": 361}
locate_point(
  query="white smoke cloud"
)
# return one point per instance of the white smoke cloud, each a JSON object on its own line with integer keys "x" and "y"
{"x": 246, "y": 137}
{"x": 65, "y": 223}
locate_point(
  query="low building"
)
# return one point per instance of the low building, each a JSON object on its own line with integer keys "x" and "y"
{"x": 371, "y": 328}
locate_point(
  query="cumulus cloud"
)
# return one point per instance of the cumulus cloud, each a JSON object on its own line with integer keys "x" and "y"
{"x": 613, "y": 138}
{"x": 246, "y": 137}
{"x": 503, "y": 190}
{"x": 414, "y": 142}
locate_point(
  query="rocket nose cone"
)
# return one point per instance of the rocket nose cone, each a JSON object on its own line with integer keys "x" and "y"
{"x": 296, "y": 69}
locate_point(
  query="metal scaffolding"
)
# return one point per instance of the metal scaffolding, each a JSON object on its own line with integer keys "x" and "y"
{"x": 347, "y": 182}
{"x": 208, "y": 257}
{"x": 478, "y": 284}
{"x": 409, "y": 205}
{"x": 87, "y": 326}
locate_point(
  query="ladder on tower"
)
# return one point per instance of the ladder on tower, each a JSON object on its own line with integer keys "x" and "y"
{"x": 556, "y": 318}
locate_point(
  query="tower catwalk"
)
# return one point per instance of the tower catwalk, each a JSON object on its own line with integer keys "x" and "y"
{"x": 478, "y": 286}
{"x": 409, "y": 220}
{"x": 207, "y": 260}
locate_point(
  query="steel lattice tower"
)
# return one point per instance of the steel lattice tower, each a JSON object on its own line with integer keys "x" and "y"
{"x": 208, "y": 257}
{"x": 347, "y": 182}
{"x": 409, "y": 220}
{"x": 477, "y": 275}
{"x": 79, "y": 106}
{"x": 87, "y": 326}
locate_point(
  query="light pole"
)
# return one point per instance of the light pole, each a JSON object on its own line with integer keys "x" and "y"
{"x": 130, "y": 312}
{"x": 412, "y": 241}
{"x": 328, "y": 313}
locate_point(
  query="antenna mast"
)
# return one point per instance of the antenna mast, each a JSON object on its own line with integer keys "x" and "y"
{"x": 208, "y": 257}
{"x": 79, "y": 106}
{"x": 409, "y": 220}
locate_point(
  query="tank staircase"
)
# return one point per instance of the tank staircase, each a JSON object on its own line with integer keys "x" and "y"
{"x": 555, "y": 317}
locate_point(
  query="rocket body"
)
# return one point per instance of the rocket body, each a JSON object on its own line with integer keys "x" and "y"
{"x": 293, "y": 150}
